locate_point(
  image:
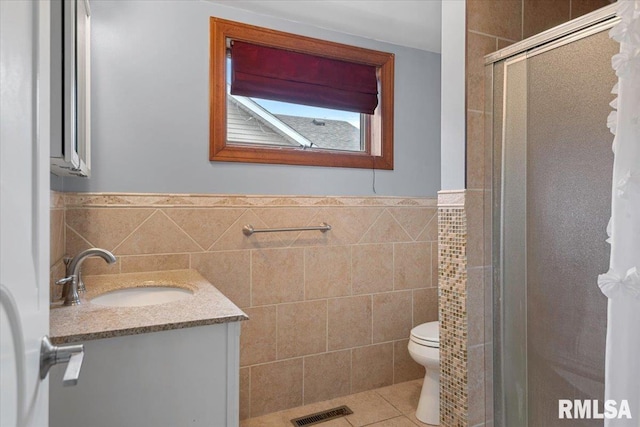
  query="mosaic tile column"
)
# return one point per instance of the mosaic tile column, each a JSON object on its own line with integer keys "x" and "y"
{"x": 452, "y": 283}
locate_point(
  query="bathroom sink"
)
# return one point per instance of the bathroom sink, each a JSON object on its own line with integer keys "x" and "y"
{"x": 141, "y": 296}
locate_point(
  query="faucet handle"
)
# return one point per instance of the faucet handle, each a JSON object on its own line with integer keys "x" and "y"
{"x": 65, "y": 280}
{"x": 69, "y": 290}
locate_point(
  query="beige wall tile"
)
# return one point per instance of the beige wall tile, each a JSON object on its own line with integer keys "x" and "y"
{"x": 488, "y": 380}
{"x": 289, "y": 217}
{"x": 106, "y": 227}
{"x": 488, "y": 304}
{"x": 475, "y": 378}
{"x": 258, "y": 336}
{"x": 404, "y": 367}
{"x": 581, "y": 7}
{"x": 372, "y": 367}
{"x": 234, "y": 239}
{"x": 327, "y": 271}
{"x": 391, "y": 316}
{"x": 56, "y": 272}
{"x": 265, "y": 397}
{"x": 157, "y": 235}
{"x": 540, "y": 15}
{"x": 229, "y": 271}
{"x": 502, "y": 43}
{"x": 349, "y": 322}
{"x": 348, "y": 225}
{"x": 97, "y": 265}
{"x": 501, "y": 18}
{"x": 327, "y": 376}
{"x": 425, "y": 306}
{"x": 74, "y": 243}
{"x": 56, "y": 236}
{"x": 245, "y": 393}
{"x": 277, "y": 276}
{"x": 56, "y": 200}
{"x": 450, "y": 199}
{"x": 435, "y": 265}
{"x": 136, "y": 263}
{"x": 290, "y": 316}
{"x": 474, "y": 209}
{"x": 475, "y": 306}
{"x": 430, "y": 232}
{"x": 487, "y": 228}
{"x": 205, "y": 226}
{"x": 478, "y": 46}
{"x": 475, "y": 150}
{"x": 413, "y": 220}
{"x": 384, "y": 230}
{"x": 302, "y": 328}
{"x": 372, "y": 268}
{"x": 412, "y": 265}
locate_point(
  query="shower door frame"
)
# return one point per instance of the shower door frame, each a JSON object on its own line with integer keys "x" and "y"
{"x": 577, "y": 29}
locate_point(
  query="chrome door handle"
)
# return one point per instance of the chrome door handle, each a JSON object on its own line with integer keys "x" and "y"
{"x": 51, "y": 355}
{"x": 72, "y": 372}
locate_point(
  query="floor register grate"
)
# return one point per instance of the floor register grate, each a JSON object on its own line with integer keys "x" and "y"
{"x": 320, "y": 417}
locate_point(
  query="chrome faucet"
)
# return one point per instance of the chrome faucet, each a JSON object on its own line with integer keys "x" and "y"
{"x": 72, "y": 280}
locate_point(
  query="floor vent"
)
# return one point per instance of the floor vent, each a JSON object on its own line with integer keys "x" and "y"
{"x": 320, "y": 417}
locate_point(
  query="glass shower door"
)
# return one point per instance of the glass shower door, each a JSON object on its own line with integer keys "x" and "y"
{"x": 552, "y": 193}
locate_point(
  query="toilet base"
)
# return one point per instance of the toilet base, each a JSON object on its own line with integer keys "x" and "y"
{"x": 429, "y": 405}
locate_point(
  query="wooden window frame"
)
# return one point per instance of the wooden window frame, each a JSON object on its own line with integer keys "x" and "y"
{"x": 378, "y": 152}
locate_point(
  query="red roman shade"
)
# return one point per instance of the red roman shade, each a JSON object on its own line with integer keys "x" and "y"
{"x": 300, "y": 78}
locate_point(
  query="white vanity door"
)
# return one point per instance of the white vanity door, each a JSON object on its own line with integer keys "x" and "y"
{"x": 180, "y": 377}
{"x": 24, "y": 210}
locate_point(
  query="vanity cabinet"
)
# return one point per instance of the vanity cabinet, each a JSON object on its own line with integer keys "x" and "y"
{"x": 177, "y": 377}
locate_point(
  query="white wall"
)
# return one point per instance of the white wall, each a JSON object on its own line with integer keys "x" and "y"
{"x": 453, "y": 124}
{"x": 150, "y": 65}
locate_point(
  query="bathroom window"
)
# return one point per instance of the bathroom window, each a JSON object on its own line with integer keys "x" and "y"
{"x": 282, "y": 98}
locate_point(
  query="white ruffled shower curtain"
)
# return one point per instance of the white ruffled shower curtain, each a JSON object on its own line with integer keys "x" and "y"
{"x": 621, "y": 284}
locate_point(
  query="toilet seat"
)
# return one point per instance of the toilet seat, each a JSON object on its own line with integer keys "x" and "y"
{"x": 427, "y": 334}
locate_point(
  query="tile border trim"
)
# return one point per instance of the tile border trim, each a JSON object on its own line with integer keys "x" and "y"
{"x": 451, "y": 198}
{"x": 221, "y": 200}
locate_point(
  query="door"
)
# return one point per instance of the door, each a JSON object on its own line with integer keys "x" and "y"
{"x": 569, "y": 173}
{"x": 24, "y": 205}
{"x": 555, "y": 163}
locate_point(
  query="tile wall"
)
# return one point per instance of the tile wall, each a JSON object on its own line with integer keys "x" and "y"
{"x": 454, "y": 366}
{"x": 56, "y": 241}
{"x": 492, "y": 25}
{"x": 330, "y": 313}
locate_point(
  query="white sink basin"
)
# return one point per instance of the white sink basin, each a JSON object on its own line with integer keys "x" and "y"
{"x": 138, "y": 297}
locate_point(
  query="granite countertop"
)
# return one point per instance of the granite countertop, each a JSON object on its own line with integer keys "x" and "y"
{"x": 89, "y": 321}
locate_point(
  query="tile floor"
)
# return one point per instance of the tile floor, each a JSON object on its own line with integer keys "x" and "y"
{"x": 392, "y": 406}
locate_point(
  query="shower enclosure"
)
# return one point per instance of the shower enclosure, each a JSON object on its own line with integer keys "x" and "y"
{"x": 548, "y": 102}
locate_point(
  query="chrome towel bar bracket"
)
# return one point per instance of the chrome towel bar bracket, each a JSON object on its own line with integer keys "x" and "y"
{"x": 248, "y": 230}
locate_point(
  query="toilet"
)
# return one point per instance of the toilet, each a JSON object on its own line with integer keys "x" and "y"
{"x": 424, "y": 348}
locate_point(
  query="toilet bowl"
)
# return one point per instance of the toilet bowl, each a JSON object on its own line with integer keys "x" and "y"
{"x": 424, "y": 348}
